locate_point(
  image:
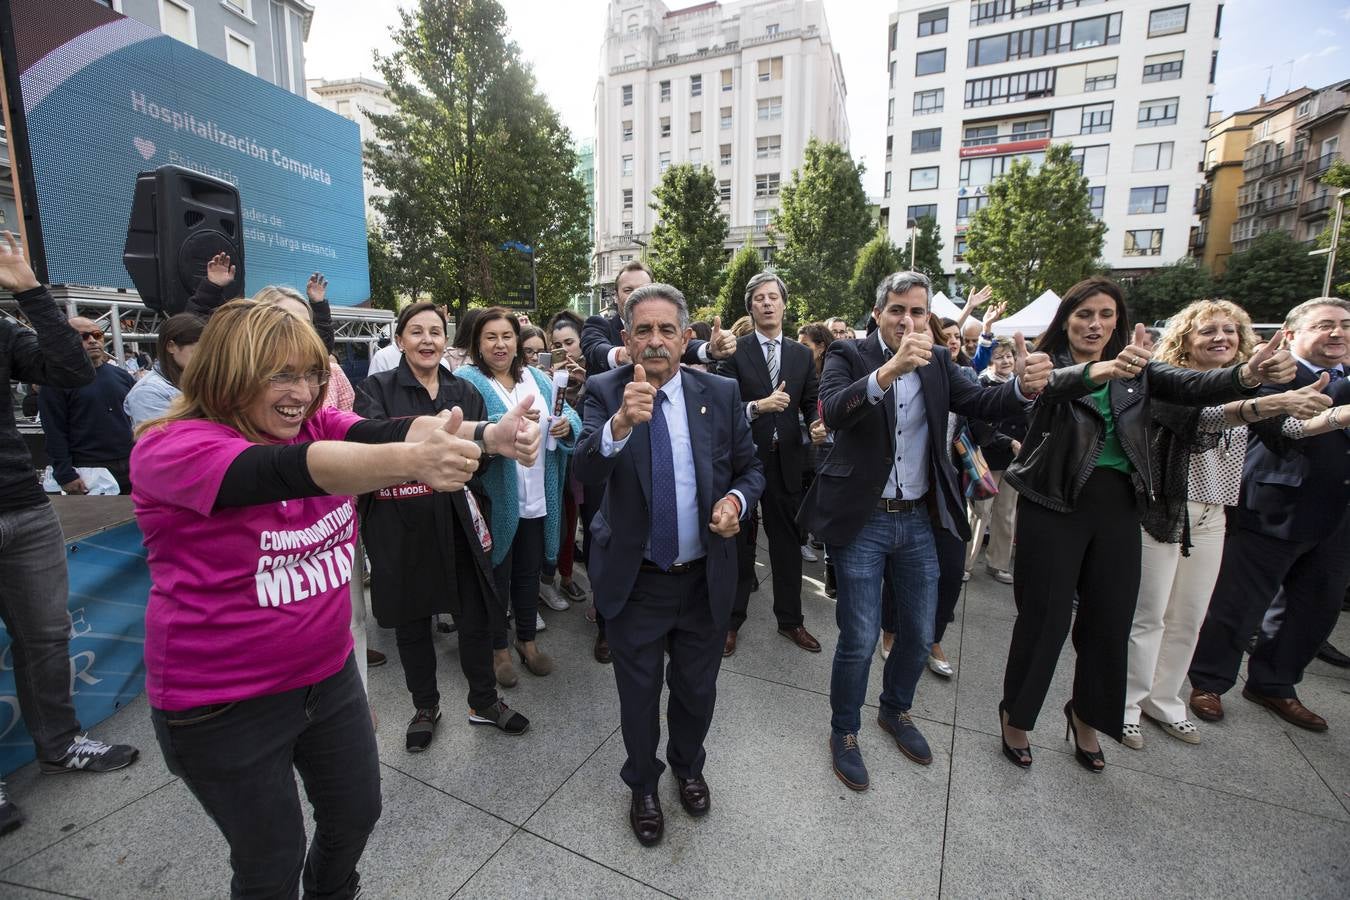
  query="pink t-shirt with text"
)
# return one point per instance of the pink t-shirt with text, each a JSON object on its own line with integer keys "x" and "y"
{"x": 245, "y": 601}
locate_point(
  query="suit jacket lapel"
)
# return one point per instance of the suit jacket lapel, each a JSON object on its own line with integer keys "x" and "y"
{"x": 700, "y": 439}
{"x": 756, "y": 351}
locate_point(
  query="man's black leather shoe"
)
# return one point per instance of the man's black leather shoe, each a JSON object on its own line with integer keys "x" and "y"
{"x": 1329, "y": 654}
{"x": 644, "y": 814}
{"x": 694, "y": 795}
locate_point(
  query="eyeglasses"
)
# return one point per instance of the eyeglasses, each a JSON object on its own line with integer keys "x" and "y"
{"x": 532, "y": 353}
{"x": 287, "y": 380}
{"x": 91, "y": 335}
{"x": 1326, "y": 326}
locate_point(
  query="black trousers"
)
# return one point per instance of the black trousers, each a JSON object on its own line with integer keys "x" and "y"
{"x": 665, "y": 614}
{"x": 480, "y": 617}
{"x": 240, "y": 759}
{"x": 517, "y": 577}
{"x": 778, "y": 508}
{"x": 1092, "y": 553}
{"x": 1310, "y": 579}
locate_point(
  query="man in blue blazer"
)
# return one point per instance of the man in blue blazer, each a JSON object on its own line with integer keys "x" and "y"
{"x": 673, "y": 452}
{"x": 886, "y": 485}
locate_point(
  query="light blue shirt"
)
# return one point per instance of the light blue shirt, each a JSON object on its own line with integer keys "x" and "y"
{"x": 691, "y": 530}
{"x": 149, "y": 398}
{"x": 909, "y": 471}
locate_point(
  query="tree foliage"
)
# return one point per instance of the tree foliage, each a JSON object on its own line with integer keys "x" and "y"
{"x": 384, "y": 286}
{"x": 731, "y": 298}
{"x": 1163, "y": 292}
{"x": 1274, "y": 274}
{"x": 823, "y": 221}
{"x": 686, "y": 246}
{"x": 877, "y": 259}
{"x": 925, "y": 248}
{"x": 474, "y": 157}
{"x": 1337, "y": 178}
{"x": 1037, "y": 231}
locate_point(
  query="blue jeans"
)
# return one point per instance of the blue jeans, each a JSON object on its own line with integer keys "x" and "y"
{"x": 901, "y": 543}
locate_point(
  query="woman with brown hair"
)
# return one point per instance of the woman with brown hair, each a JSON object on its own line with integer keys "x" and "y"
{"x": 152, "y": 394}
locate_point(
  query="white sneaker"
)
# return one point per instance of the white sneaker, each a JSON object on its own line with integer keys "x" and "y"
{"x": 552, "y": 597}
{"x": 808, "y": 554}
{"x": 1000, "y": 574}
{"x": 539, "y": 623}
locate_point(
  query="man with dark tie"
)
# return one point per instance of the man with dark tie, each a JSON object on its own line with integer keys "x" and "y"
{"x": 777, "y": 377}
{"x": 1288, "y": 536}
{"x": 673, "y": 452}
{"x": 887, "y": 484}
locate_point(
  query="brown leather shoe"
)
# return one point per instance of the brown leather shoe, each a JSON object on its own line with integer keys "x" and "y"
{"x": 730, "y": 646}
{"x": 1289, "y": 709}
{"x": 1207, "y": 705}
{"x": 601, "y": 649}
{"x": 644, "y": 814}
{"x": 694, "y": 795}
{"x": 375, "y": 658}
{"x": 801, "y": 637}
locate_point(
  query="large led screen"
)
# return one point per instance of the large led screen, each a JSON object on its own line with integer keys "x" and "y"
{"x": 104, "y": 97}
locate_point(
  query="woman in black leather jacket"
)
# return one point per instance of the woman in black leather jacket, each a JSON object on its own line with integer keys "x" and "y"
{"x": 1084, "y": 462}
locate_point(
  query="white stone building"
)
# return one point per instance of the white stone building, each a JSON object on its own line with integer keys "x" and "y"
{"x": 352, "y": 98}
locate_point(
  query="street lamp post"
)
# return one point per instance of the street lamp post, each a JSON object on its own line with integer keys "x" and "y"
{"x": 913, "y": 226}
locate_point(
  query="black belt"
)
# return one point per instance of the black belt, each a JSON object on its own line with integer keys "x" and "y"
{"x": 892, "y": 505}
{"x": 677, "y": 569}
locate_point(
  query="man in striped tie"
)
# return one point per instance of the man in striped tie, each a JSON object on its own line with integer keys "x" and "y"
{"x": 672, "y": 449}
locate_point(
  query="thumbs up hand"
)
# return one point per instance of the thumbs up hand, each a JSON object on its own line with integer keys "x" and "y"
{"x": 639, "y": 397}
{"x": 1033, "y": 370}
{"x": 444, "y": 461}
{"x": 915, "y": 350}
{"x": 775, "y": 402}
{"x": 722, "y": 343}
{"x": 516, "y": 435}
{"x": 1272, "y": 364}
{"x": 1305, "y": 402}
{"x": 1129, "y": 363}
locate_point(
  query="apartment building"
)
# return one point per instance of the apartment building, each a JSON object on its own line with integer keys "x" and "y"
{"x": 976, "y": 84}
{"x": 353, "y": 99}
{"x": 737, "y": 87}
{"x": 1216, "y": 202}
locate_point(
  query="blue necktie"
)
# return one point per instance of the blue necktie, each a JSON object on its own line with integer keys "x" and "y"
{"x": 1332, "y": 374}
{"x": 665, "y": 525}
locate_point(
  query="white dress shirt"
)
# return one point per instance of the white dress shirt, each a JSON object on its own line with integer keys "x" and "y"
{"x": 530, "y": 497}
{"x": 764, "y": 342}
{"x": 908, "y": 479}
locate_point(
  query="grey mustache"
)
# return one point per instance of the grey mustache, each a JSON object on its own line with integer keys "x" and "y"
{"x": 656, "y": 353}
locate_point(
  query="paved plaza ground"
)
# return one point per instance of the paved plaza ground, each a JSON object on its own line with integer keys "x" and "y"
{"x": 1259, "y": 809}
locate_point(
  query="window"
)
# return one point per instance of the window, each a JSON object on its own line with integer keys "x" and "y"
{"x": 1171, "y": 20}
{"x": 627, "y": 199}
{"x": 771, "y": 69}
{"x": 724, "y": 155}
{"x": 969, "y": 206}
{"x": 766, "y": 185}
{"x": 1144, "y": 242}
{"x": 1091, "y": 160}
{"x": 1303, "y": 109}
{"x": 959, "y": 247}
{"x": 696, "y": 157}
{"x": 1162, "y": 67}
{"x": 343, "y": 108}
{"x": 178, "y": 20}
{"x": 978, "y": 135}
{"x": 933, "y": 23}
{"x": 892, "y": 37}
{"x": 1047, "y": 39}
{"x": 665, "y": 126}
{"x": 1152, "y": 157}
{"x": 1213, "y": 67}
{"x": 665, "y": 91}
{"x": 695, "y": 85}
{"x": 663, "y": 161}
{"x": 239, "y": 52}
{"x": 925, "y": 179}
{"x": 727, "y": 80}
{"x": 891, "y": 83}
{"x": 762, "y": 219}
{"x": 1218, "y": 19}
{"x": 628, "y": 131}
{"x": 980, "y": 171}
{"x": 242, "y": 7}
{"x": 725, "y": 120}
{"x": 1148, "y": 200}
{"x": 922, "y": 211}
{"x": 628, "y": 95}
{"x": 770, "y": 108}
{"x": 770, "y": 147}
{"x": 890, "y": 146}
{"x": 1010, "y": 88}
{"x": 628, "y": 165}
{"x": 696, "y": 123}
{"x": 886, "y": 189}
{"x": 766, "y": 255}
{"x": 628, "y": 228}
{"x": 1096, "y": 200}
{"x": 1095, "y": 119}
{"x": 926, "y": 102}
{"x": 890, "y": 113}
{"x": 1153, "y": 113}
{"x": 1099, "y": 82}
{"x": 1032, "y": 128}
{"x": 724, "y": 190}
{"x": 927, "y": 140}
{"x": 931, "y": 62}
{"x": 771, "y": 29}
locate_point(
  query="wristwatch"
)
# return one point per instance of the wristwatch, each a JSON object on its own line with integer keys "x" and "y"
{"x": 754, "y": 410}
{"x": 478, "y": 432}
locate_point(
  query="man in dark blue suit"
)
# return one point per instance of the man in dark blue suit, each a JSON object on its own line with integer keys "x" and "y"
{"x": 876, "y": 500}
{"x": 673, "y": 452}
{"x": 1289, "y": 535}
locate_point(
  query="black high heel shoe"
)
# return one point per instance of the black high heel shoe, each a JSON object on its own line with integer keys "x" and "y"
{"x": 1018, "y": 756}
{"x": 1095, "y": 761}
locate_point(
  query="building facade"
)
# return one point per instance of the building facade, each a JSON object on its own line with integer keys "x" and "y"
{"x": 737, "y": 87}
{"x": 1216, "y": 203}
{"x": 353, "y": 98}
{"x": 976, "y": 84}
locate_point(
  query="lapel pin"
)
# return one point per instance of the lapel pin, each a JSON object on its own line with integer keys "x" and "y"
{"x": 703, "y": 410}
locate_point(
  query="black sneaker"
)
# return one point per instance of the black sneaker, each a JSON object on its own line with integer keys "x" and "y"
{"x": 11, "y": 816}
{"x": 88, "y": 755}
{"x": 501, "y": 715}
{"x": 422, "y": 729}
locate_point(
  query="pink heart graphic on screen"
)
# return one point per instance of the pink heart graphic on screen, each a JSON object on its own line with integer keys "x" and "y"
{"x": 144, "y": 147}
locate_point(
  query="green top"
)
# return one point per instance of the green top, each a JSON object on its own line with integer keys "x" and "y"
{"x": 1112, "y": 455}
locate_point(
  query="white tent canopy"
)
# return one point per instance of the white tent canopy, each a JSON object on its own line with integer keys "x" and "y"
{"x": 1031, "y": 319}
{"x": 940, "y": 306}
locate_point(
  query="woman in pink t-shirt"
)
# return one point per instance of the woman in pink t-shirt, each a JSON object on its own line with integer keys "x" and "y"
{"x": 244, "y": 496}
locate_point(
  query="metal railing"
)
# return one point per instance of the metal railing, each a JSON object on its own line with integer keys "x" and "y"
{"x": 1319, "y": 165}
{"x": 1316, "y": 205}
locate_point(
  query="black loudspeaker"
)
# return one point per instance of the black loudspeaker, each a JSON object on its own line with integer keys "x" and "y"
{"x": 179, "y": 220}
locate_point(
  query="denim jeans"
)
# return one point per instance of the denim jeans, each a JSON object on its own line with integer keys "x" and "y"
{"x": 903, "y": 544}
{"x": 239, "y": 760}
{"x": 33, "y": 604}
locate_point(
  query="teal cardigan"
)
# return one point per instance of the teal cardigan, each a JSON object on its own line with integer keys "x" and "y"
{"x": 500, "y": 481}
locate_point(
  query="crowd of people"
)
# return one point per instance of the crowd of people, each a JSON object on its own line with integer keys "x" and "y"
{"x": 1170, "y": 500}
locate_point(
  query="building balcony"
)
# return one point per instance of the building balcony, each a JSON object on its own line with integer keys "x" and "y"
{"x": 1203, "y": 203}
{"x": 1280, "y": 202}
{"x": 1319, "y": 165}
{"x": 1041, "y": 134}
{"x": 1317, "y": 206}
{"x": 1282, "y": 163}
{"x": 1198, "y": 241}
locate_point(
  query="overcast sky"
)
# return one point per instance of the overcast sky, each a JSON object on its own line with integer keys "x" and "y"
{"x": 1275, "y": 42}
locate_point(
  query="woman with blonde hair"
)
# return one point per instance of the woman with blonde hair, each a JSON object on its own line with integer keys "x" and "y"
{"x": 1197, "y": 456}
{"x": 244, "y": 495}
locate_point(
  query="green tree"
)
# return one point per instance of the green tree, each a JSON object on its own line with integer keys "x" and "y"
{"x": 924, "y": 247}
{"x": 384, "y": 286}
{"x": 877, "y": 259}
{"x": 1337, "y": 178}
{"x": 823, "y": 221}
{"x": 1037, "y": 231}
{"x": 474, "y": 158}
{"x": 1274, "y": 274}
{"x": 686, "y": 246}
{"x": 1163, "y": 292}
{"x": 731, "y": 298}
